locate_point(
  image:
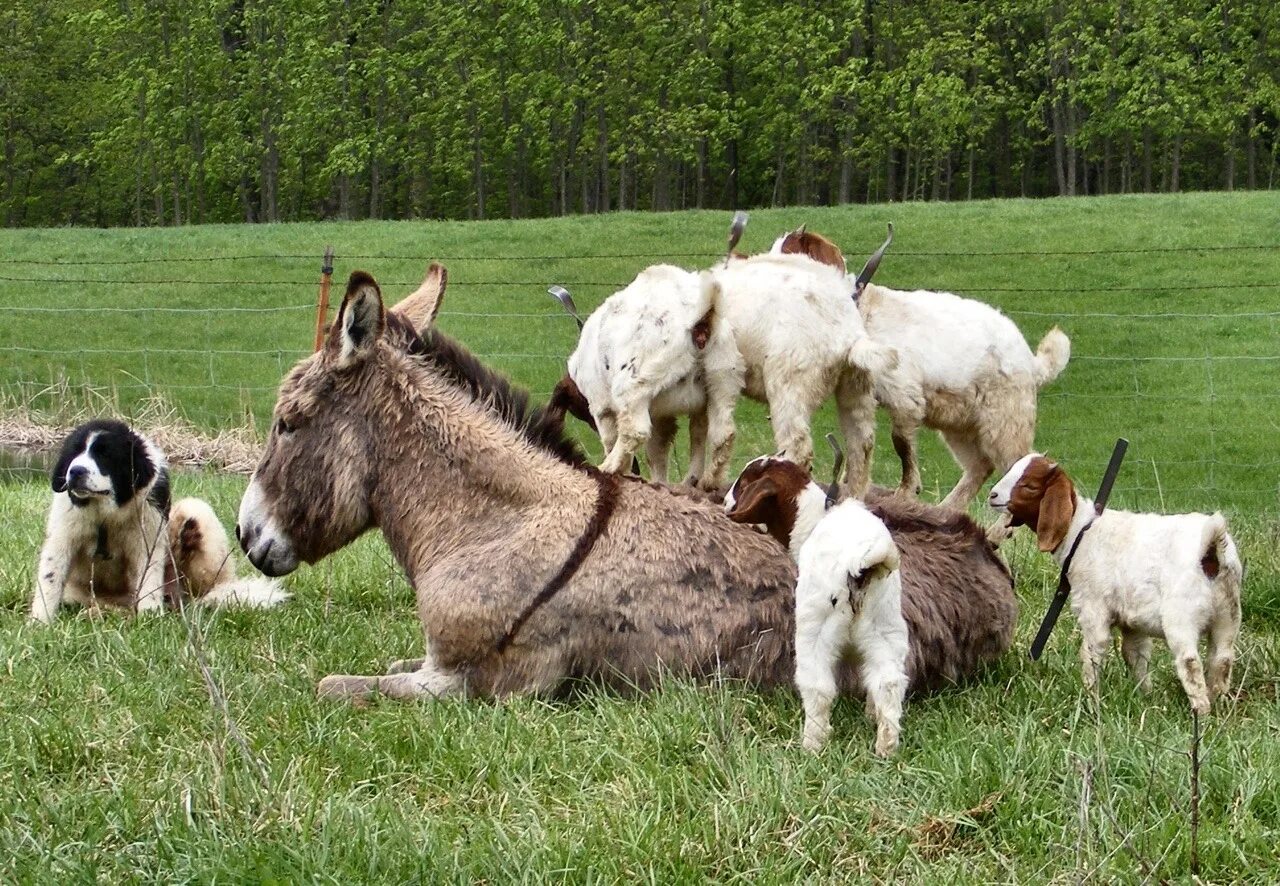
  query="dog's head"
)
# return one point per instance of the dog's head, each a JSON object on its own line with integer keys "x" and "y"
{"x": 105, "y": 463}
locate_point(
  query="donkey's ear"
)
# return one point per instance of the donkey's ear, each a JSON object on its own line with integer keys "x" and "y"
{"x": 756, "y": 502}
{"x": 361, "y": 321}
{"x": 423, "y": 304}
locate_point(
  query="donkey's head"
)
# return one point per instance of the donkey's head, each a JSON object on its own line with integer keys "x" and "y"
{"x": 310, "y": 494}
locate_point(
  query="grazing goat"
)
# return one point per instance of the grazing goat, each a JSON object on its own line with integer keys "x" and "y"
{"x": 1175, "y": 576}
{"x": 531, "y": 568}
{"x": 779, "y": 328}
{"x": 964, "y": 369}
{"x": 642, "y": 360}
{"x": 924, "y": 605}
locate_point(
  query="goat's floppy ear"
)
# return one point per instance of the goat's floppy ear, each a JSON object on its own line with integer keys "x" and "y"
{"x": 423, "y": 304}
{"x": 755, "y": 501}
{"x": 1057, "y": 507}
{"x": 361, "y": 321}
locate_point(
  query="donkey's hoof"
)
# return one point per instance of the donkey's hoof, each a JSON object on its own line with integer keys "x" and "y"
{"x": 347, "y": 687}
{"x": 405, "y": 666}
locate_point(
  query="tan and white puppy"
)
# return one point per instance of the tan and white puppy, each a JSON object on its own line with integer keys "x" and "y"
{"x": 1172, "y": 576}
{"x": 111, "y": 540}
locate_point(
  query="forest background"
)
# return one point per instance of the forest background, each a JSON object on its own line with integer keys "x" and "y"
{"x": 150, "y": 112}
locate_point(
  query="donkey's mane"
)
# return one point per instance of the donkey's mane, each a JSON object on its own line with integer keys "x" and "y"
{"x": 484, "y": 385}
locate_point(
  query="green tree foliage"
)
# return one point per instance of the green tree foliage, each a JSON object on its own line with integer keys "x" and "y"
{"x": 180, "y": 111}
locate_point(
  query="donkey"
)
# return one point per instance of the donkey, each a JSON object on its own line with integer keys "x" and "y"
{"x": 530, "y": 567}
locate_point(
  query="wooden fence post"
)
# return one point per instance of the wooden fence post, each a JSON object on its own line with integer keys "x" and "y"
{"x": 322, "y": 303}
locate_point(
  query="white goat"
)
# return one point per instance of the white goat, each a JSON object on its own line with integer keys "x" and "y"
{"x": 780, "y": 328}
{"x": 848, "y": 594}
{"x": 1175, "y": 576}
{"x": 651, "y": 352}
{"x": 964, "y": 370}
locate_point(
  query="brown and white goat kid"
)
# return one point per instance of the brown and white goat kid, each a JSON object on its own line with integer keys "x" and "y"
{"x": 1175, "y": 576}
{"x": 956, "y": 597}
{"x": 848, "y": 594}
{"x": 964, "y": 369}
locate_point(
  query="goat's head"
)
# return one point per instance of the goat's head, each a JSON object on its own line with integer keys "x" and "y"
{"x": 817, "y": 247}
{"x": 310, "y": 493}
{"x": 1037, "y": 493}
{"x": 768, "y": 492}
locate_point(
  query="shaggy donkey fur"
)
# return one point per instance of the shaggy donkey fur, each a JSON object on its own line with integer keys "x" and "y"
{"x": 482, "y": 511}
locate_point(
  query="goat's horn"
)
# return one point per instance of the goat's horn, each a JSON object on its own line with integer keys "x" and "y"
{"x": 562, "y": 295}
{"x": 833, "y": 491}
{"x": 800, "y": 230}
{"x": 872, "y": 263}
{"x": 736, "y": 228}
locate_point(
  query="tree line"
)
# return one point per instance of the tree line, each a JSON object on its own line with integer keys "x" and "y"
{"x": 156, "y": 112}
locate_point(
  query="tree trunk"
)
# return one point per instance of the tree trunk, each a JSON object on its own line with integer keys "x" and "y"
{"x": 1175, "y": 165}
{"x": 1146, "y": 160}
{"x": 1251, "y": 150}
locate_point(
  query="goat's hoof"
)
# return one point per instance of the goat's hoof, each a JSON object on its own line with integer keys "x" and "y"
{"x": 405, "y": 666}
{"x": 886, "y": 746}
{"x": 347, "y": 687}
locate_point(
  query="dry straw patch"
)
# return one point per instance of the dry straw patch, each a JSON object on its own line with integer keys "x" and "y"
{"x": 26, "y": 428}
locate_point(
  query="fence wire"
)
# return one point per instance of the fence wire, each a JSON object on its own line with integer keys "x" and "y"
{"x": 1190, "y": 380}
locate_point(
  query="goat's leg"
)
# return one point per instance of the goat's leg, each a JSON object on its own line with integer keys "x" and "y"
{"x": 885, "y": 682}
{"x": 428, "y": 681}
{"x": 720, "y": 434}
{"x": 975, "y": 464}
{"x": 1095, "y": 639}
{"x": 697, "y": 448}
{"x": 856, "y": 410}
{"x": 1136, "y": 649}
{"x": 1183, "y": 642}
{"x": 819, "y": 639}
{"x": 634, "y": 427}
{"x": 998, "y": 533}
{"x": 658, "y": 447}
{"x": 1222, "y": 640}
{"x": 904, "y": 444}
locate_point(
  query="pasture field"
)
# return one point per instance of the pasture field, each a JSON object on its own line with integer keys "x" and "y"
{"x": 116, "y": 763}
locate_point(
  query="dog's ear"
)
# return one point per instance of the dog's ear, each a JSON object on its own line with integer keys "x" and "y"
{"x": 141, "y": 469}
{"x": 70, "y": 449}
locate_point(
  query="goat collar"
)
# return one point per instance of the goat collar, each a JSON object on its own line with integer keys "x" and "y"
{"x": 606, "y": 499}
{"x": 1085, "y": 515}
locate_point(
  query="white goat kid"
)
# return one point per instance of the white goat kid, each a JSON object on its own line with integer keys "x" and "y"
{"x": 1175, "y": 576}
{"x": 848, "y": 594}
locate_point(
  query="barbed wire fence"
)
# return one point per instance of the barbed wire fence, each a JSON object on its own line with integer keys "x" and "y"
{"x": 215, "y": 345}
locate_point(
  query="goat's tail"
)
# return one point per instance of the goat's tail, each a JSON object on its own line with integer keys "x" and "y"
{"x": 255, "y": 593}
{"x": 1220, "y": 560}
{"x": 1051, "y": 356}
{"x": 872, "y": 357}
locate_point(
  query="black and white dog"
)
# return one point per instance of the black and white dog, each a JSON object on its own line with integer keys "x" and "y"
{"x": 113, "y": 540}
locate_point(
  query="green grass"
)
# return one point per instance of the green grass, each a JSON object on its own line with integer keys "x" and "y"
{"x": 115, "y": 765}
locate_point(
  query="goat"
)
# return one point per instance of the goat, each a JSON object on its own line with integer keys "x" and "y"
{"x": 780, "y": 329}
{"x": 954, "y": 599}
{"x": 964, "y": 369}
{"x": 1175, "y": 576}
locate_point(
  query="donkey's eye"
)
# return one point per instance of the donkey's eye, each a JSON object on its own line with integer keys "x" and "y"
{"x": 283, "y": 427}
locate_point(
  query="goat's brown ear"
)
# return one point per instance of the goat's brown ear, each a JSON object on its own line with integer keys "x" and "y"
{"x": 423, "y": 304}
{"x": 1057, "y": 507}
{"x": 754, "y": 503}
{"x": 360, "y": 323}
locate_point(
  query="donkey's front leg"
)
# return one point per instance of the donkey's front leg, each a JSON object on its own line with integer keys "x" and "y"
{"x": 428, "y": 681}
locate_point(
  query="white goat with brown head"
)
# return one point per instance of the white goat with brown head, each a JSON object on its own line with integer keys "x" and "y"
{"x": 1175, "y": 576}
{"x": 964, "y": 370}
